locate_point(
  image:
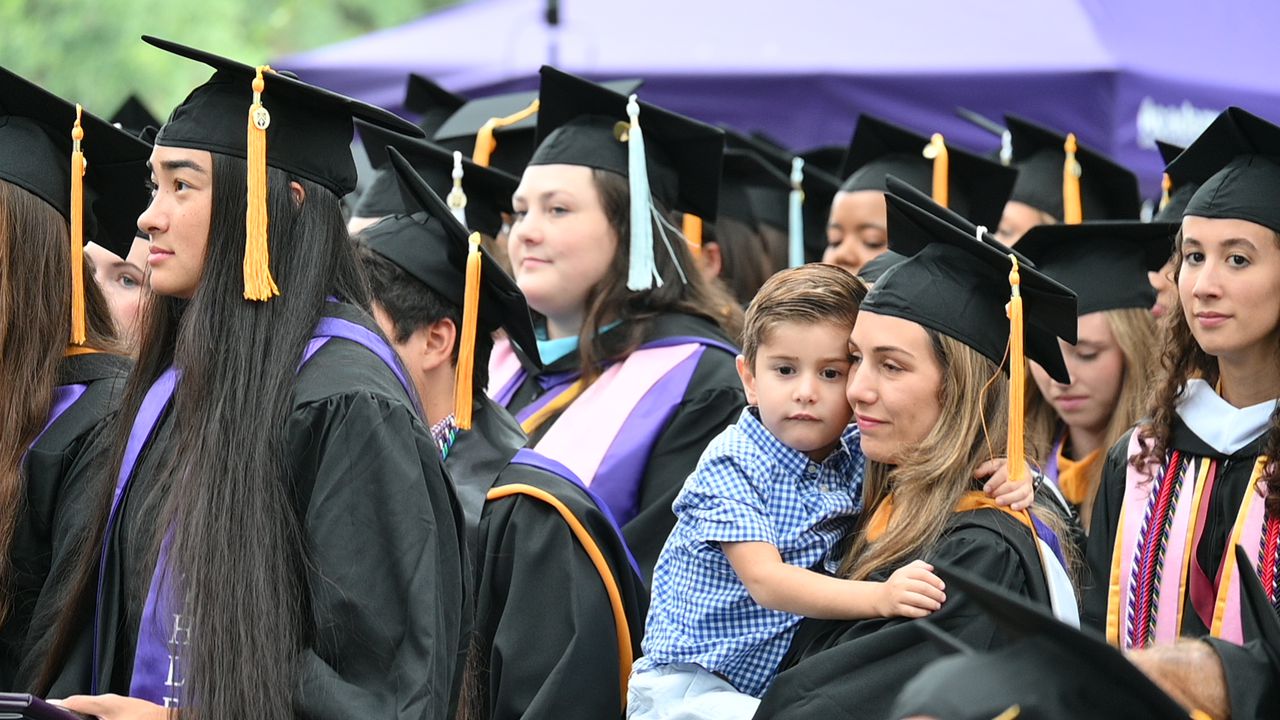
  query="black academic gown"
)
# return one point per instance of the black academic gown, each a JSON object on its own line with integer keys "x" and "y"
{"x": 854, "y": 669}
{"x": 1253, "y": 678}
{"x": 712, "y": 402}
{"x": 545, "y": 632}
{"x": 384, "y": 540}
{"x": 1224, "y": 503}
{"x": 59, "y": 471}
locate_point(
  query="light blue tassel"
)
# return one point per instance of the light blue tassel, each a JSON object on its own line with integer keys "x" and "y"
{"x": 795, "y": 219}
{"x": 641, "y": 273}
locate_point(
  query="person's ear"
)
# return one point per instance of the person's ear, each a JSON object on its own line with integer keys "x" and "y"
{"x": 748, "y": 377}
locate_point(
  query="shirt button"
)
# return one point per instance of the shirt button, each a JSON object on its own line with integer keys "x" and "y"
{"x": 824, "y": 487}
{"x": 811, "y": 470}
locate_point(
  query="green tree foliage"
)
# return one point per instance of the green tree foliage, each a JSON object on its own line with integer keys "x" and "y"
{"x": 88, "y": 51}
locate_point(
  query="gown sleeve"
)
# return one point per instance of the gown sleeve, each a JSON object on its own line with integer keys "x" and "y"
{"x": 1096, "y": 574}
{"x": 1253, "y": 678}
{"x": 545, "y": 625}
{"x": 854, "y": 669}
{"x": 705, "y": 412}
{"x": 387, "y": 592}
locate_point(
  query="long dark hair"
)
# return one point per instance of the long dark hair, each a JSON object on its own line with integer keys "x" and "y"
{"x": 744, "y": 261}
{"x": 611, "y": 301}
{"x": 236, "y": 552}
{"x": 1181, "y": 359}
{"x": 35, "y": 326}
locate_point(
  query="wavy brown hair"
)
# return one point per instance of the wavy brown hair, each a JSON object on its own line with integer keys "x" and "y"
{"x": 611, "y": 301}
{"x": 932, "y": 475}
{"x": 35, "y": 325}
{"x": 1182, "y": 359}
{"x": 1135, "y": 332}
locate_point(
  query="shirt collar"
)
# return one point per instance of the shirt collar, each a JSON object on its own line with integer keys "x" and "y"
{"x": 791, "y": 458}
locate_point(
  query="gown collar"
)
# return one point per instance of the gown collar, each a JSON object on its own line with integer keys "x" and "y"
{"x": 1218, "y": 423}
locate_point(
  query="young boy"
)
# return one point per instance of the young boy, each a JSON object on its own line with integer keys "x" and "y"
{"x": 772, "y": 496}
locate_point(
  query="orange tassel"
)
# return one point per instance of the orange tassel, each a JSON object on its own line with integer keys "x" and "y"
{"x": 78, "y": 166}
{"x": 258, "y": 283}
{"x": 465, "y": 371}
{"x": 485, "y": 142}
{"x": 1072, "y": 213}
{"x": 1016, "y": 452}
{"x": 936, "y": 151}
{"x": 1166, "y": 187}
{"x": 691, "y": 227}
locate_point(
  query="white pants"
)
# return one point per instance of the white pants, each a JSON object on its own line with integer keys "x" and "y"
{"x": 681, "y": 691}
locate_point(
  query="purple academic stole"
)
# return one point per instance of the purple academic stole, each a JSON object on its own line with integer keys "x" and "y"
{"x": 165, "y": 628}
{"x": 64, "y": 396}
{"x": 605, "y": 436}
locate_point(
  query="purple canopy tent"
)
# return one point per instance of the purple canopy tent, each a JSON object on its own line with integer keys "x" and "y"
{"x": 1119, "y": 74}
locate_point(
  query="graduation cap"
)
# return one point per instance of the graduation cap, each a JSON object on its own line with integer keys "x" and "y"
{"x": 773, "y": 208}
{"x": 486, "y": 192}
{"x": 959, "y": 286}
{"x": 1105, "y": 263}
{"x": 1005, "y": 153}
{"x": 920, "y": 199}
{"x": 671, "y": 158}
{"x": 133, "y": 116}
{"x": 742, "y": 173}
{"x": 1236, "y": 160}
{"x": 1175, "y": 191}
{"x": 827, "y": 158}
{"x": 437, "y": 250}
{"x": 295, "y": 127}
{"x": 971, "y": 185}
{"x": 1067, "y": 180}
{"x": 93, "y": 173}
{"x": 876, "y": 267}
{"x": 431, "y": 103}
{"x": 1049, "y": 671}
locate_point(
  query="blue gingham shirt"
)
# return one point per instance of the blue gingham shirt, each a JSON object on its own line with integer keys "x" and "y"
{"x": 748, "y": 487}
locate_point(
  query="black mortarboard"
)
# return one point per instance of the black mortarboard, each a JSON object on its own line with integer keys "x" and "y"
{"x": 310, "y": 128}
{"x": 433, "y": 248}
{"x": 955, "y": 284}
{"x": 922, "y": 200}
{"x": 1236, "y": 160}
{"x": 746, "y": 177}
{"x": 977, "y": 188}
{"x": 578, "y": 124}
{"x": 827, "y": 158}
{"x": 1176, "y": 191}
{"x": 35, "y": 155}
{"x": 133, "y": 116}
{"x": 876, "y": 267}
{"x": 430, "y": 102}
{"x": 1108, "y": 190}
{"x": 514, "y": 142}
{"x": 488, "y": 190}
{"x": 1005, "y": 154}
{"x": 1049, "y": 671}
{"x": 1105, "y": 263}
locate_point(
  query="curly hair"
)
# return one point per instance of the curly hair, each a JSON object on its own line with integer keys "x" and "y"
{"x": 1182, "y": 359}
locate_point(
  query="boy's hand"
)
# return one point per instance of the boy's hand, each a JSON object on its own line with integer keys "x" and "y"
{"x": 912, "y": 591}
{"x": 1017, "y": 496}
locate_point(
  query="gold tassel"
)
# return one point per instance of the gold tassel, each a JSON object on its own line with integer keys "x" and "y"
{"x": 78, "y": 166}
{"x": 1072, "y": 213}
{"x": 485, "y": 142}
{"x": 465, "y": 371}
{"x": 691, "y": 227}
{"x": 1015, "y": 452}
{"x": 1166, "y": 187}
{"x": 936, "y": 151}
{"x": 258, "y": 283}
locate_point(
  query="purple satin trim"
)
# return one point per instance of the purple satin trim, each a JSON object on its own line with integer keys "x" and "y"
{"x": 157, "y": 672}
{"x": 144, "y": 424}
{"x": 64, "y": 396}
{"x": 1050, "y": 538}
{"x": 531, "y": 458}
{"x": 1051, "y": 464}
{"x": 617, "y": 478}
{"x": 691, "y": 340}
{"x": 545, "y": 399}
{"x": 508, "y": 391}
